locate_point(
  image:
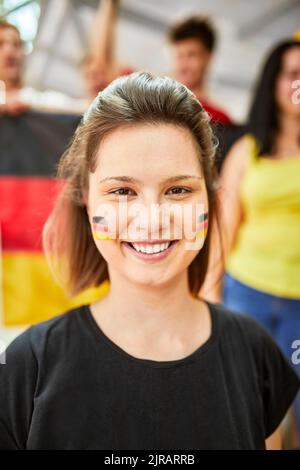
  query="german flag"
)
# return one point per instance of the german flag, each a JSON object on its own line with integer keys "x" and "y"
{"x": 30, "y": 147}
{"x": 100, "y": 228}
{"x": 202, "y": 225}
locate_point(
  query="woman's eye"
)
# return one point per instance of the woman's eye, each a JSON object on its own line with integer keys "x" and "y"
{"x": 122, "y": 192}
{"x": 129, "y": 192}
{"x": 179, "y": 190}
{"x": 291, "y": 74}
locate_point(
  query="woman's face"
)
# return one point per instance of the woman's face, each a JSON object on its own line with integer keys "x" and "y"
{"x": 148, "y": 189}
{"x": 290, "y": 72}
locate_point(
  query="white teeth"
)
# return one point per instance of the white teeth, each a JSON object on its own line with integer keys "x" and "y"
{"x": 153, "y": 248}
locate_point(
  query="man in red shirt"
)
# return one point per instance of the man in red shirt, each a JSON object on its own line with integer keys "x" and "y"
{"x": 193, "y": 42}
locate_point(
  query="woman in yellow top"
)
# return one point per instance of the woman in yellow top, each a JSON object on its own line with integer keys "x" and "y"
{"x": 260, "y": 196}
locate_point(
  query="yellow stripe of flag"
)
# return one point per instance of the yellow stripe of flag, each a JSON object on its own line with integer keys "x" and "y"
{"x": 31, "y": 295}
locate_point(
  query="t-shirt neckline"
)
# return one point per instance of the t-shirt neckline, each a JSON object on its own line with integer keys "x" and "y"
{"x": 151, "y": 362}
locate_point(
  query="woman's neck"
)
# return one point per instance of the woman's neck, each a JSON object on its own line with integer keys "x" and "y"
{"x": 149, "y": 309}
{"x": 288, "y": 139}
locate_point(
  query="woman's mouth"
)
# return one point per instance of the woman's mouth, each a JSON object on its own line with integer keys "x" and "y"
{"x": 150, "y": 251}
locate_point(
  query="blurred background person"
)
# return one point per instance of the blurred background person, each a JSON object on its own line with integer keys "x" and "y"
{"x": 99, "y": 67}
{"x": 193, "y": 43}
{"x": 18, "y": 96}
{"x": 260, "y": 208}
{"x": 11, "y": 62}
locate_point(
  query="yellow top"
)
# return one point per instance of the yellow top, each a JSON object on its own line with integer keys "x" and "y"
{"x": 266, "y": 255}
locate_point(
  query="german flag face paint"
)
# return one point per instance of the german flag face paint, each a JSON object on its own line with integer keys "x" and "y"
{"x": 202, "y": 225}
{"x": 100, "y": 228}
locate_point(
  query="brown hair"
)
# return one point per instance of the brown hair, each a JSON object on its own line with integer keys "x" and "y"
{"x": 6, "y": 25}
{"x": 137, "y": 98}
{"x": 194, "y": 27}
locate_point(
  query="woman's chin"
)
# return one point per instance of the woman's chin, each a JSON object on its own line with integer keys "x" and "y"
{"x": 144, "y": 278}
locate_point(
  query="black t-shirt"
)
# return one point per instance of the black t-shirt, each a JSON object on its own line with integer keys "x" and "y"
{"x": 66, "y": 385}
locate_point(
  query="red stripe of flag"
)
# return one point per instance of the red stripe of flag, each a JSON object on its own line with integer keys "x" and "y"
{"x": 25, "y": 206}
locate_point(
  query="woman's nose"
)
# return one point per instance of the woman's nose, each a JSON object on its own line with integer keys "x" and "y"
{"x": 154, "y": 220}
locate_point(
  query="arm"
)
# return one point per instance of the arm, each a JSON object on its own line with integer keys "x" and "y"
{"x": 225, "y": 228}
{"x": 274, "y": 442}
{"x": 102, "y": 39}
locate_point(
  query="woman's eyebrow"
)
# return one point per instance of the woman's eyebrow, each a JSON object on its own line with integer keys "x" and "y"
{"x": 129, "y": 179}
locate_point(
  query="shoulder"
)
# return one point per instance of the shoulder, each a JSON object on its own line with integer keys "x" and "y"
{"x": 245, "y": 327}
{"x": 243, "y": 144}
{"x": 239, "y": 154}
{"x": 27, "y": 360}
{"x": 54, "y": 331}
{"x": 232, "y": 323}
{"x": 246, "y": 338}
{"x": 236, "y": 163}
{"x": 216, "y": 113}
{"x": 251, "y": 345}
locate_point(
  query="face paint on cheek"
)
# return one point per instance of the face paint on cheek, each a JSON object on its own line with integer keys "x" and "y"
{"x": 202, "y": 225}
{"x": 100, "y": 228}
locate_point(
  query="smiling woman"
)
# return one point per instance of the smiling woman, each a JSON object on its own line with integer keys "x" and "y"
{"x": 152, "y": 133}
{"x": 151, "y": 365}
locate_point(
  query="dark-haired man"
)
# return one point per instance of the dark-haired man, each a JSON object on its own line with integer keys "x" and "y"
{"x": 193, "y": 41}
